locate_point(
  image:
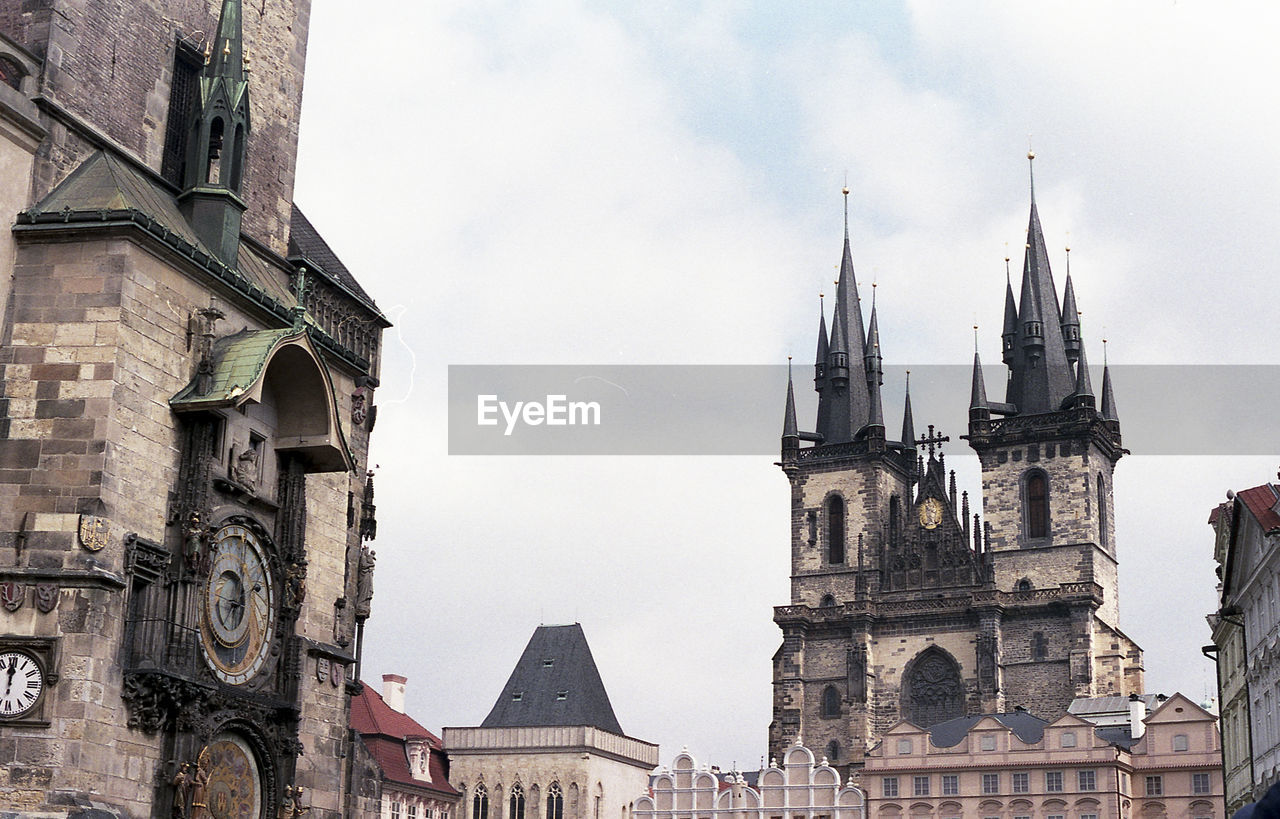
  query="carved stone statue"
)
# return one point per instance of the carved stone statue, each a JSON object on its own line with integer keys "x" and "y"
{"x": 181, "y": 791}
{"x": 199, "y": 785}
{"x": 245, "y": 470}
{"x": 296, "y": 585}
{"x": 193, "y": 541}
{"x": 364, "y": 581}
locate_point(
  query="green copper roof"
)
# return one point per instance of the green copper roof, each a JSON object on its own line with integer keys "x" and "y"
{"x": 238, "y": 363}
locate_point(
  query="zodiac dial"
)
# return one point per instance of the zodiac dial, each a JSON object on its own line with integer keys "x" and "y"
{"x": 239, "y": 606}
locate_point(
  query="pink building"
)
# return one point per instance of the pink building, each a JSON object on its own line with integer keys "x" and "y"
{"x": 1017, "y": 766}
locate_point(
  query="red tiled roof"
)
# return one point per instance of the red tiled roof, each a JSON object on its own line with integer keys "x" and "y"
{"x": 1261, "y": 502}
{"x": 385, "y": 731}
{"x": 391, "y": 758}
{"x": 1217, "y": 512}
{"x": 370, "y": 714}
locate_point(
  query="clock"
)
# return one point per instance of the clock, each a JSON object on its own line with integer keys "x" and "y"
{"x": 238, "y": 610}
{"x": 930, "y": 513}
{"x": 21, "y": 683}
{"x": 232, "y": 779}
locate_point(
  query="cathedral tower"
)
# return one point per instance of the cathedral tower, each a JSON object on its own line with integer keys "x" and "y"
{"x": 904, "y": 604}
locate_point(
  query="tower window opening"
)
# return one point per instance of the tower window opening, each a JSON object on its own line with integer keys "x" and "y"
{"x": 830, "y": 702}
{"x": 835, "y": 530}
{"x": 555, "y": 802}
{"x": 1037, "y": 505}
{"x": 213, "y": 168}
{"x": 1102, "y": 512}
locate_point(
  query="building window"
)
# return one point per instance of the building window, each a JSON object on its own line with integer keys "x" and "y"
{"x": 988, "y": 742}
{"x": 413, "y": 811}
{"x": 517, "y": 802}
{"x": 889, "y": 786}
{"x": 1155, "y": 786}
{"x": 480, "y": 803}
{"x": 1055, "y": 816}
{"x": 950, "y": 785}
{"x": 904, "y": 746}
{"x": 933, "y": 689}
{"x": 991, "y": 783}
{"x": 1068, "y": 737}
{"x": 1180, "y": 742}
{"x": 833, "y": 752}
{"x": 1053, "y": 781}
{"x": 1088, "y": 816}
{"x": 1200, "y": 783}
{"x": 1037, "y": 504}
{"x": 920, "y": 786}
{"x": 828, "y": 601}
{"x": 555, "y": 802}
{"x": 835, "y": 529}
{"x": 1040, "y": 649}
{"x": 395, "y": 810}
{"x": 1088, "y": 780}
{"x": 516, "y": 696}
{"x": 830, "y": 702}
{"x": 1021, "y": 783}
{"x": 1102, "y": 512}
{"x": 562, "y": 695}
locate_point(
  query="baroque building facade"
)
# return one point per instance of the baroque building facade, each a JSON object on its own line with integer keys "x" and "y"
{"x": 907, "y": 604}
{"x": 184, "y": 422}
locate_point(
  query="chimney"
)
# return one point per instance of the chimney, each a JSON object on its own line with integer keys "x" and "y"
{"x": 393, "y": 691}
{"x": 1137, "y": 713}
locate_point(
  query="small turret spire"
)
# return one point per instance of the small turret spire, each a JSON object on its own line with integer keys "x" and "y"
{"x": 908, "y": 423}
{"x": 790, "y": 429}
{"x": 1108, "y": 397}
{"x": 1070, "y": 317}
{"x": 979, "y": 410}
{"x": 1083, "y": 395}
{"x": 875, "y": 369}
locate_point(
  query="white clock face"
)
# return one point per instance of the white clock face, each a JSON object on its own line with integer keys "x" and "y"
{"x": 21, "y": 682}
{"x": 238, "y": 620}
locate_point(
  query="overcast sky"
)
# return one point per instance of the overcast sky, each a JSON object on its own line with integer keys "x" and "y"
{"x": 563, "y": 182}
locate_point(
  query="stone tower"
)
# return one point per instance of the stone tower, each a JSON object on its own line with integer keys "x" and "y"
{"x": 184, "y": 422}
{"x": 904, "y": 604}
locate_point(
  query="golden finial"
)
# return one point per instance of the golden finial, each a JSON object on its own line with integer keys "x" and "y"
{"x": 226, "y": 48}
{"x": 845, "y": 190}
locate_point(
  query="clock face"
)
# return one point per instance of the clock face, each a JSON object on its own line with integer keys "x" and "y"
{"x": 930, "y": 513}
{"x": 238, "y": 620}
{"x": 21, "y": 682}
{"x": 234, "y": 789}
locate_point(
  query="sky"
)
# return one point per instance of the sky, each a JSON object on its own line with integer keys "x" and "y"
{"x": 581, "y": 183}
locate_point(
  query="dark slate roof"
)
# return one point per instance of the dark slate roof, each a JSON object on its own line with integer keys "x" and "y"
{"x": 1026, "y": 727}
{"x": 305, "y": 243}
{"x": 557, "y": 683}
{"x": 1117, "y": 735}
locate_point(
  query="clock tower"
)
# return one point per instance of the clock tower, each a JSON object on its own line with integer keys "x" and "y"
{"x": 908, "y": 604}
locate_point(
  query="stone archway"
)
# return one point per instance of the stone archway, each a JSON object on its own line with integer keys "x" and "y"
{"x": 932, "y": 688}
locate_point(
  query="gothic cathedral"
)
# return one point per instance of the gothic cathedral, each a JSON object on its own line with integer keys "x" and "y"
{"x": 904, "y": 605}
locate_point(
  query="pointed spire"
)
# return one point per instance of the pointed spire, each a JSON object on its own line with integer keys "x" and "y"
{"x": 1083, "y": 395}
{"x": 227, "y": 55}
{"x": 820, "y": 360}
{"x": 908, "y": 423}
{"x": 790, "y": 429}
{"x": 848, "y": 311}
{"x": 1070, "y": 317}
{"x": 1108, "y": 397}
{"x": 1010, "y": 333}
{"x": 978, "y": 407}
{"x": 875, "y": 371}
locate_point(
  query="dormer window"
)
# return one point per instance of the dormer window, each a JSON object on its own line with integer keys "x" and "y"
{"x": 562, "y": 695}
{"x": 516, "y": 696}
{"x": 548, "y": 663}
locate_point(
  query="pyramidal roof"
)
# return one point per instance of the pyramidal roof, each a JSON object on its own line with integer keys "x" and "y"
{"x": 554, "y": 683}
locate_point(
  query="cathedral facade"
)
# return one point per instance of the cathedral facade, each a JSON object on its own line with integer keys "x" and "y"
{"x": 905, "y": 602}
{"x": 185, "y": 411}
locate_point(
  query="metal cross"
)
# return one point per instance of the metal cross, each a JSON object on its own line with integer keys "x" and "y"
{"x": 931, "y": 440}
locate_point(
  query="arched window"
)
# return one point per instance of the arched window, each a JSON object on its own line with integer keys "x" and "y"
{"x": 1039, "y": 646}
{"x": 835, "y": 529}
{"x": 1036, "y": 492}
{"x": 827, "y": 601}
{"x": 11, "y": 73}
{"x": 1025, "y": 584}
{"x": 830, "y": 702}
{"x": 1102, "y": 512}
{"x": 833, "y": 752}
{"x": 517, "y": 802}
{"x": 932, "y": 689}
{"x": 555, "y": 802}
{"x": 480, "y": 803}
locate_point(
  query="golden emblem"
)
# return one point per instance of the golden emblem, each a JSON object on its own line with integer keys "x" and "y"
{"x": 93, "y": 532}
{"x": 930, "y": 513}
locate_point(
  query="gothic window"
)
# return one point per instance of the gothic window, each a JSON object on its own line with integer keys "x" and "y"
{"x": 517, "y": 802}
{"x": 10, "y": 72}
{"x": 1036, "y": 503}
{"x": 555, "y": 802}
{"x": 895, "y": 515}
{"x": 835, "y": 529}
{"x": 480, "y": 803}
{"x": 833, "y": 752}
{"x": 830, "y": 702}
{"x": 1039, "y": 646}
{"x": 1024, "y": 584}
{"x": 182, "y": 99}
{"x": 828, "y": 601}
{"x": 932, "y": 690}
{"x": 1102, "y": 512}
